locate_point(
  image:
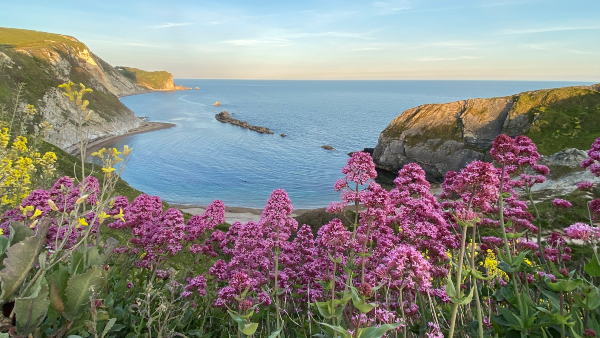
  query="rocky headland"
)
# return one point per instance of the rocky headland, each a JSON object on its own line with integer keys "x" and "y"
{"x": 42, "y": 61}
{"x": 224, "y": 117}
{"x": 443, "y": 137}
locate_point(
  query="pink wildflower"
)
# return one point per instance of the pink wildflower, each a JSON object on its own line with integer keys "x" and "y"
{"x": 560, "y": 203}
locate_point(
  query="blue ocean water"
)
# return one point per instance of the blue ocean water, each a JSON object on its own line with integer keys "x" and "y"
{"x": 202, "y": 159}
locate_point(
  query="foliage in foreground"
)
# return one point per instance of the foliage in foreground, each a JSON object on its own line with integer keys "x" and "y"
{"x": 471, "y": 263}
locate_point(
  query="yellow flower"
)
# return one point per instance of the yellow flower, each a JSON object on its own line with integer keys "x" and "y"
{"x": 34, "y": 223}
{"x": 108, "y": 170}
{"x": 127, "y": 150}
{"x": 143, "y": 255}
{"x": 119, "y": 215}
{"x": 36, "y": 213}
{"x": 52, "y": 205}
{"x": 1, "y": 231}
{"x": 82, "y": 222}
{"x": 99, "y": 153}
{"x": 81, "y": 199}
{"x": 102, "y": 216}
{"x": 25, "y": 210}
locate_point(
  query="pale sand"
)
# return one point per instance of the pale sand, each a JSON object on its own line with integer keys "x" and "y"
{"x": 232, "y": 214}
{"x": 143, "y": 128}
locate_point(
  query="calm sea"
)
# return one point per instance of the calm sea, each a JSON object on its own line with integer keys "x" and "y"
{"x": 202, "y": 159}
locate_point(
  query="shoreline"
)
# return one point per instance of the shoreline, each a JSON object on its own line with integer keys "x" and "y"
{"x": 145, "y": 127}
{"x": 152, "y": 91}
{"x": 234, "y": 214}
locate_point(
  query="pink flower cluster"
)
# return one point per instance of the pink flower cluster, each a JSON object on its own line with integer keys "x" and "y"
{"x": 583, "y": 232}
{"x": 593, "y": 162}
{"x": 64, "y": 194}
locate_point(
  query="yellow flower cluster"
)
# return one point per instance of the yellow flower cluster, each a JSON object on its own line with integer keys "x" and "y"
{"x": 110, "y": 157}
{"x": 18, "y": 164}
{"x": 491, "y": 264}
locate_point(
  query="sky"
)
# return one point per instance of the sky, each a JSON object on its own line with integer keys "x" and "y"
{"x": 311, "y": 39}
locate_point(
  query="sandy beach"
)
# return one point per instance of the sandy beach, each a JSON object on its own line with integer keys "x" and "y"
{"x": 232, "y": 214}
{"x": 143, "y": 128}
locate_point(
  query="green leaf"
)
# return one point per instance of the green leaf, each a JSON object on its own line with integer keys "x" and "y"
{"x": 505, "y": 195}
{"x": 18, "y": 232}
{"x": 592, "y": 268}
{"x": 450, "y": 289}
{"x": 337, "y": 329}
{"x": 564, "y": 285}
{"x": 513, "y": 235}
{"x": 250, "y": 328}
{"x": 509, "y": 316}
{"x": 31, "y": 311}
{"x": 464, "y": 300}
{"x": 376, "y": 332}
{"x": 3, "y": 244}
{"x": 275, "y": 334}
{"x": 360, "y": 303}
{"x": 20, "y": 259}
{"x": 108, "y": 326}
{"x": 79, "y": 290}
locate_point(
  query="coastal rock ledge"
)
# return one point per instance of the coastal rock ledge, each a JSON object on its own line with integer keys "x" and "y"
{"x": 443, "y": 137}
{"x": 226, "y": 118}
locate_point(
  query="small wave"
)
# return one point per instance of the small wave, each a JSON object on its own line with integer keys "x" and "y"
{"x": 182, "y": 98}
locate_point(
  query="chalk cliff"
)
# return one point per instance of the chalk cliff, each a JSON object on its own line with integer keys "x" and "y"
{"x": 41, "y": 61}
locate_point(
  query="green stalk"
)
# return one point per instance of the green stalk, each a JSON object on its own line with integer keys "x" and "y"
{"x": 479, "y": 313}
{"x": 458, "y": 281}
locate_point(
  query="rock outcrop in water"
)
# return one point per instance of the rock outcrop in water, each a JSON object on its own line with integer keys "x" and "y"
{"x": 443, "y": 137}
{"x": 226, "y": 118}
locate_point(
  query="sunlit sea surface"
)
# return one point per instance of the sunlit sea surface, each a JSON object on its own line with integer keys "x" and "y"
{"x": 202, "y": 159}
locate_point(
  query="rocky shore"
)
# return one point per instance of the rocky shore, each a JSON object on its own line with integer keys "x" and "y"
{"x": 224, "y": 117}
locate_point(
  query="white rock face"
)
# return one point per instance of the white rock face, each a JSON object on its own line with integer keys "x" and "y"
{"x": 63, "y": 116}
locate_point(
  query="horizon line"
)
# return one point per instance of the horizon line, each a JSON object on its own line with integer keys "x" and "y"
{"x": 346, "y": 79}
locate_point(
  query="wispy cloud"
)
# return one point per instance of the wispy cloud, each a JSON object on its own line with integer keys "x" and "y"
{"x": 547, "y": 29}
{"x": 332, "y": 34}
{"x": 558, "y": 47}
{"x": 128, "y": 43}
{"x": 280, "y": 42}
{"x": 426, "y": 59}
{"x": 171, "y": 24}
{"x": 365, "y": 49}
{"x": 391, "y": 7}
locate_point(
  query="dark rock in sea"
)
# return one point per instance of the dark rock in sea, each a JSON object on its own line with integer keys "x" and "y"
{"x": 226, "y": 118}
{"x": 283, "y": 135}
{"x": 327, "y": 147}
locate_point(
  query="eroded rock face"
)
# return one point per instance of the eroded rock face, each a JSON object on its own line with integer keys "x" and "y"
{"x": 443, "y": 137}
{"x": 62, "y": 62}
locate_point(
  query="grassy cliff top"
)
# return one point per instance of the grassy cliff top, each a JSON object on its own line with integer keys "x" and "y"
{"x": 24, "y": 38}
{"x": 152, "y": 80}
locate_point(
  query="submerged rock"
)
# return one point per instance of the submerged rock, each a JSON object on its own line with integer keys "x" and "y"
{"x": 327, "y": 147}
{"x": 226, "y": 118}
{"x": 283, "y": 135}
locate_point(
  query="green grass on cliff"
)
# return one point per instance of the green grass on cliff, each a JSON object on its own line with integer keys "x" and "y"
{"x": 151, "y": 80}
{"x": 566, "y": 118}
{"x": 24, "y": 38}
